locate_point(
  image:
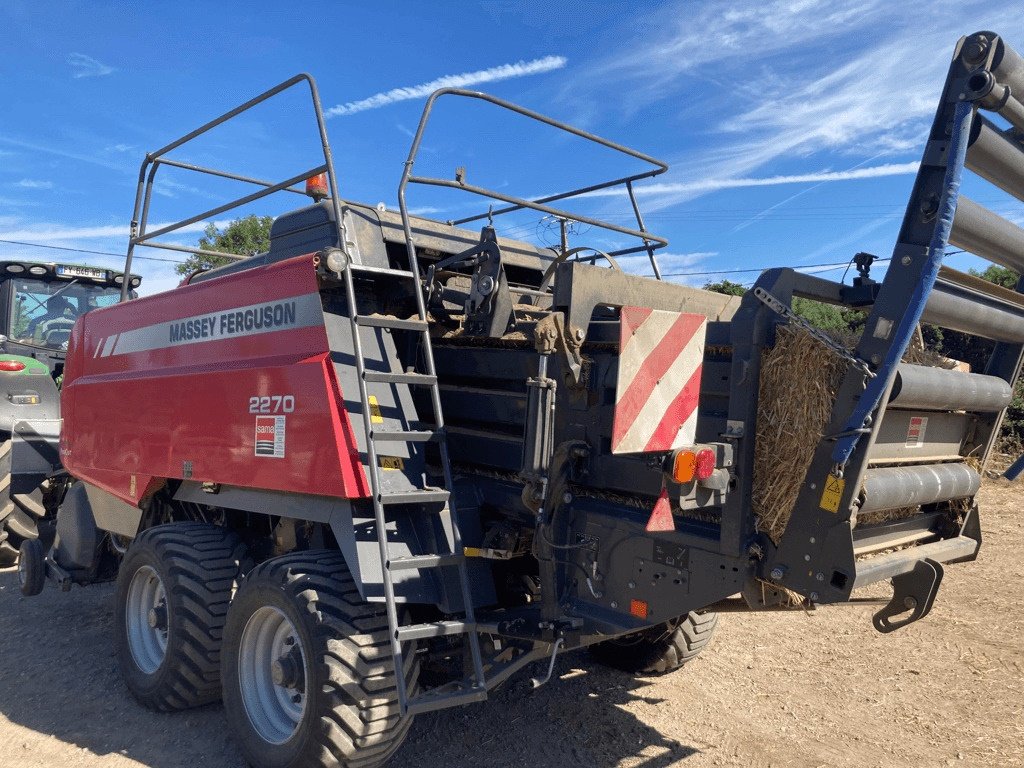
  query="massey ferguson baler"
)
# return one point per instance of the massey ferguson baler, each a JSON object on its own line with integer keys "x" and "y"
{"x": 383, "y": 467}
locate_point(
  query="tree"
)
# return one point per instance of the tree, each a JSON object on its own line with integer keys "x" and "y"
{"x": 242, "y": 236}
{"x": 727, "y": 287}
{"x": 824, "y": 316}
{"x": 998, "y": 275}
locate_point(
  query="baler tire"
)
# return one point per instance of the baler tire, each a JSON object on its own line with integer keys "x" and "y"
{"x": 6, "y": 446}
{"x": 351, "y": 715}
{"x": 661, "y": 649}
{"x": 21, "y": 525}
{"x": 16, "y": 527}
{"x": 196, "y": 567}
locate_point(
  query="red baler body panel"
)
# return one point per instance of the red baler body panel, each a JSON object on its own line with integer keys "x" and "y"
{"x": 178, "y": 385}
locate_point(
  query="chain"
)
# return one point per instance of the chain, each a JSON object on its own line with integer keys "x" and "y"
{"x": 784, "y": 310}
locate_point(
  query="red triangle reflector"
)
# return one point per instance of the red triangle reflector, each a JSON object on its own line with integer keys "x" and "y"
{"x": 661, "y": 516}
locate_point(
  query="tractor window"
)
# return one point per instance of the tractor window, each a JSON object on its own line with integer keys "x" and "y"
{"x": 43, "y": 313}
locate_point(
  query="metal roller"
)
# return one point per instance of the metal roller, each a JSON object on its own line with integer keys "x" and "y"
{"x": 918, "y": 386}
{"x": 996, "y": 157}
{"x": 897, "y": 487}
{"x": 1007, "y": 65}
{"x": 950, "y": 306}
{"x": 986, "y": 234}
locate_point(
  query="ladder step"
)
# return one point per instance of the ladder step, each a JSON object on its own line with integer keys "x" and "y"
{"x": 413, "y": 562}
{"x": 430, "y": 702}
{"x": 387, "y": 321}
{"x": 433, "y": 629}
{"x": 380, "y": 271}
{"x": 386, "y": 377}
{"x": 414, "y": 497}
{"x": 416, "y": 436}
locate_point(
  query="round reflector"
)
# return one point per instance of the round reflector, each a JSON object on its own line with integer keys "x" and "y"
{"x": 705, "y": 464}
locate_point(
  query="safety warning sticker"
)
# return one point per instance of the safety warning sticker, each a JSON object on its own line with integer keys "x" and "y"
{"x": 833, "y": 493}
{"x": 915, "y": 432}
{"x": 270, "y": 436}
{"x": 376, "y": 417}
{"x": 391, "y": 462}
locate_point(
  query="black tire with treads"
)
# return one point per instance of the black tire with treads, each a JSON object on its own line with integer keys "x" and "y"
{"x": 352, "y": 718}
{"x": 199, "y": 565}
{"x": 660, "y": 649}
{"x": 8, "y": 545}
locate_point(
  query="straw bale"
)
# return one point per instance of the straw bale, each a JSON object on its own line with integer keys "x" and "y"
{"x": 799, "y": 380}
{"x": 800, "y": 377}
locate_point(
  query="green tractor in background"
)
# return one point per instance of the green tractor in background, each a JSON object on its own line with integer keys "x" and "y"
{"x": 39, "y": 304}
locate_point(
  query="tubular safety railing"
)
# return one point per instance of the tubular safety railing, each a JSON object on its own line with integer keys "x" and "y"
{"x": 140, "y": 236}
{"x": 649, "y": 242}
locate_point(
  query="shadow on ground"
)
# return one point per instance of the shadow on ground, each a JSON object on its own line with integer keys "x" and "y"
{"x": 59, "y": 678}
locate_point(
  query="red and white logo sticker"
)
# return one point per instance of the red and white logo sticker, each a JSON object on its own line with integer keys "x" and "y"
{"x": 270, "y": 436}
{"x": 916, "y": 430}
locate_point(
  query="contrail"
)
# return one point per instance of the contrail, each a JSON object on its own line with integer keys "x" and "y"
{"x": 491, "y": 75}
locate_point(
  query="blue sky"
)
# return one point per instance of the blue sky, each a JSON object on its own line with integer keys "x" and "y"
{"x": 792, "y": 128}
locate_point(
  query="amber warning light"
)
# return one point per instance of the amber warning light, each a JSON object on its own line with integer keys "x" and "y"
{"x": 692, "y": 463}
{"x": 316, "y": 186}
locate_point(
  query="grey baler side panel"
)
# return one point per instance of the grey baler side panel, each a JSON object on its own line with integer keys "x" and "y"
{"x": 111, "y": 513}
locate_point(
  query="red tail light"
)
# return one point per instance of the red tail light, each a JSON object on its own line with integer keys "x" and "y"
{"x": 705, "y": 464}
{"x": 11, "y": 366}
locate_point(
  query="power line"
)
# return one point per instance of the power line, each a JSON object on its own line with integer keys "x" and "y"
{"x": 831, "y": 265}
{"x": 84, "y": 250}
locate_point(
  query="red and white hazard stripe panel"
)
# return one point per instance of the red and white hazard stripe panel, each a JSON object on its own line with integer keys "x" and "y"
{"x": 660, "y": 359}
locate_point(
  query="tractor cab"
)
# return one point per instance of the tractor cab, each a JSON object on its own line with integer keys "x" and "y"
{"x": 39, "y": 304}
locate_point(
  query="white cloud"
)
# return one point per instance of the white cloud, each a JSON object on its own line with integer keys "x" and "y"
{"x": 463, "y": 80}
{"x": 691, "y": 38}
{"x": 426, "y": 210}
{"x": 87, "y": 66}
{"x": 34, "y": 184}
{"x": 51, "y": 233}
{"x": 121, "y": 148}
{"x": 60, "y": 153}
{"x": 703, "y": 186}
{"x": 754, "y": 82}
{"x": 640, "y": 263}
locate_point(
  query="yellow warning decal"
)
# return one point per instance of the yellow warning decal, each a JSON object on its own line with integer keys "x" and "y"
{"x": 376, "y": 417}
{"x": 833, "y": 493}
{"x": 391, "y": 462}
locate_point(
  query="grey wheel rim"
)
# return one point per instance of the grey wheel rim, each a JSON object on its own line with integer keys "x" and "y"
{"x": 272, "y": 675}
{"x": 146, "y": 619}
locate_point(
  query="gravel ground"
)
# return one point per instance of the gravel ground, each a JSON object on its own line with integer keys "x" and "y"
{"x": 793, "y": 689}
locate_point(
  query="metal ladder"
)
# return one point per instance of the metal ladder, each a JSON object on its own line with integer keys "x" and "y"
{"x": 470, "y": 689}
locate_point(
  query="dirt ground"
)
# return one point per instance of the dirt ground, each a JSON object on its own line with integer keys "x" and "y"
{"x": 793, "y": 689}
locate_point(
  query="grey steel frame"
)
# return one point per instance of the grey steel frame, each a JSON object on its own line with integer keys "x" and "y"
{"x": 815, "y": 556}
{"x": 650, "y": 242}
